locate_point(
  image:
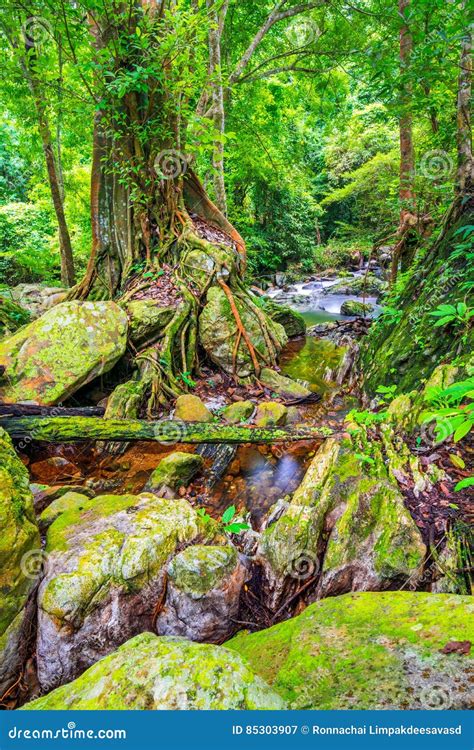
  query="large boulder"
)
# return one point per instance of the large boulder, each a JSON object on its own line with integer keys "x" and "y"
{"x": 147, "y": 319}
{"x": 70, "y": 345}
{"x": 354, "y": 308}
{"x": 285, "y": 387}
{"x": 104, "y": 577}
{"x": 203, "y": 592}
{"x": 218, "y": 332}
{"x": 359, "y": 286}
{"x": 20, "y": 560}
{"x": 270, "y": 414}
{"x": 292, "y": 321}
{"x": 151, "y": 673}
{"x": 346, "y": 525}
{"x": 391, "y": 650}
{"x": 175, "y": 470}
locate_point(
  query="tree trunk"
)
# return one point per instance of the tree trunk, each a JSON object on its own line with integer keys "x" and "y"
{"x": 465, "y": 171}
{"x": 218, "y": 110}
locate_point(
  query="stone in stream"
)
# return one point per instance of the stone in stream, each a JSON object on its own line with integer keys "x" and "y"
{"x": 21, "y": 559}
{"x": 222, "y": 455}
{"x": 190, "y": 408}
{"x": 152, "y": 673}
{"x": 238, "y": 412}
{"x": 292, "y": 321}
{"x": 70, "y": 345}
{"x": 203, "y": 593}
{"x": 285, "y": 387}
{"x": 346, "y": 526}
{"x": 369, "y": 651}
{"x": 105, "y": 572}
{"x": 218, "y": 331}
{"x": 353, "y": 307}
{"x": 270, "y": 414}
{"x": 368, "y": 285}
{"x": 174, "y": 471}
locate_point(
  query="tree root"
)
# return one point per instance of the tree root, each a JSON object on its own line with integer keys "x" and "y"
{"x": 240, "y": 326}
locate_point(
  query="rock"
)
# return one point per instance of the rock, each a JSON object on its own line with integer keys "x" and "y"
{"x": 37, "y": 298}
{"x": 155, "y": 673}
{"x": 43, "y": 495}
{"x": 285, "y": 387}
{"x": 218, "y": 330}
{"x": 293, "y": 415}
{"x": 203, "y": 592}
{"x": 292, "y": 321}
{"x": 190, "y": 408}
{"x": 367, "y": 651}
{"x": 352, "y": 307}
{"x": 53, "y": 468}
{"x": 20, "y": 561}
{"x": 174, "y": 471}
{"x": 368, "y": 285}
{"x": 70, "y": 345}
{"x": 126, "y": 399}
{"x": 240, "y": 411}
{"x": 147, "y": 319}
{"x": 68, "y": 501}
{"x": 270, "y": 414}
{"x": 354, "y": 510}
{"x": 12, "y": 316}
{"x": 104, "y": 577}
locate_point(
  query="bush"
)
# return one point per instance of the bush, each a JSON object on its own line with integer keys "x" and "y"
{"x": 26, "y": 236}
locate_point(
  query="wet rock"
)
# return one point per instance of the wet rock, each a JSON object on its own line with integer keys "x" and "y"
{"x": 43, "y": 494}
{"x": 240, "y": 411}
{"x": 155, "y": 673}
{"x": 218, "y": 331}
{"x": 20, "y": 561}
{"x": 147, "y": 319}
{"x": 126, "y": 399}
{"x": 359, "y": 286}
{"x": 190, "y": 408}
{"x": 270, "y": 414}
{"x": 352, "y": 307}
{"x": 293, "y": 415}
{"x": 285, "y": 387}
{"x": 372, "y": 541}
{"x": 104, "y": 576}
{"x": 70, "y": 345}
{"x": 203, "y": 592}
{"x": 175, "y": 471}
{"x": 65, "y": 502}
{"x": 292, "y": 321}
{"x": 367, "y": 651}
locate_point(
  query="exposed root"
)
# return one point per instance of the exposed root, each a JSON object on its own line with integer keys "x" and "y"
{"x": 240, "y": 325}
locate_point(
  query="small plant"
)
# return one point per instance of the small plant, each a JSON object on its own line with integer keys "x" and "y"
{"x": 187, "y": 379}
{"x": 366, "y": 418}
{"x": 464, "y": 484}
{"x": 226, "y": 524}
{"x": 453, "y": 410}
{"x": 387, "y": 392}
{"x": 458, "y": 315}
{"x": 364, "y": 458}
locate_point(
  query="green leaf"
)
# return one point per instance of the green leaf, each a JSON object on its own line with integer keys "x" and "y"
{"x": 462, "y": 430}
{"x": 444, "y": 321}
{"x": 235, "y": 528}
{"x": 228, "y": 514}
{"x": 468, "y": 482}
{"x": 457, "y": 461}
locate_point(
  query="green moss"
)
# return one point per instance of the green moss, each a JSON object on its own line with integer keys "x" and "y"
{"x": 240, "y": 411}
{"x": 364, "y": 651}
{"x": 199, "y": 569}
{"x": 175, "y": 470}
{"x": 270, "y": 414}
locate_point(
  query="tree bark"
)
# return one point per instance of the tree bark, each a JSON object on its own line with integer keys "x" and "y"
{"x": 218, "y": 110}
{"x": 67, "y": 430}
{"x": 465, "y": 170}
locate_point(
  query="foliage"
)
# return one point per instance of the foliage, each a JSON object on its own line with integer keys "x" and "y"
{"x": 226, "y": 524}
{"x": 26, "y": 236}
{"x": 452, "y": 409}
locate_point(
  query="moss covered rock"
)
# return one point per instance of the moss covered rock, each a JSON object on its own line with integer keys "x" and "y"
{"x": 270, "y": 414}
{"x": 151, "y": 673}
{"x": 352, "y": 307}
{"x": 218, "y": 331}
{"x": 238, "y": 412}
{"x": 372, "y": 541}
{"x": 106, "y": 559}
{"x": 202, "y": 598}
{"x": 285, "y": 387}
{"x": 147, "y": 319}
{"x": 70, "y": 345}
{"x": 291, "y": 320}
{"x": 20, "y": 559}
{"x": 368, "y": 651}
{"x": 175, "y": 470}
{"x": 190, "y": 408}
{"x": 69, "y": 501}
{"x": 12, "y": 316}
{"x": 368, "y": 285}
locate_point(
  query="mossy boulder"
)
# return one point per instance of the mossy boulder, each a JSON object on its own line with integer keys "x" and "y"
{"x": 70, "y": 345}
{"x": 359, "y": 286}
{"x": 203, "y": 592}
{"x": 270, "y": 414}
{"x": 105, "y": 573}
{"x": 12, "y": 316}
{"x": 354, "y": 308}
{"x": 151, "y": 673}
{"x": 190, "y": 408}
{"x": 175, "y": 470}
{"x": 368, "y": 651}
{"x": 126, "y": 399}
{"x": 69, "y": 501}
{"x": 147, "y": 319}
{"x": 238, "y": 412}
{"x": 291, "y": 320}
{"x": 20, "y": 559}
{"x": 285, "y": 387}
{"x": 218, "y": 332}
{"x": 346, "y": 524}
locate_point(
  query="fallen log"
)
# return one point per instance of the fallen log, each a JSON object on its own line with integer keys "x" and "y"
{"x": 35, "y": 410}
{"x": 73, "y": 429}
